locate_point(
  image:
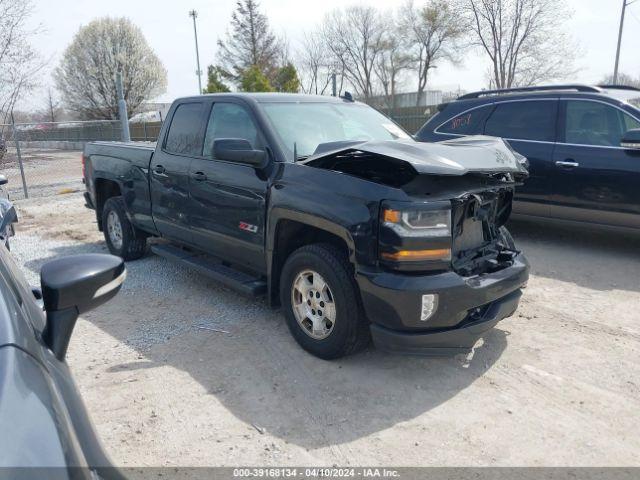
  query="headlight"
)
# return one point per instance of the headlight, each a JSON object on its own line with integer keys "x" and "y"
{"x": 419, "y": 233}
{"x": 418, "y": 223}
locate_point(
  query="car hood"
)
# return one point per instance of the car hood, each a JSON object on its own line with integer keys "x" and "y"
{"x": 451, "y": 157}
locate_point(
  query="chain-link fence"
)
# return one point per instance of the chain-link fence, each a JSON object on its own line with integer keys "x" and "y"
{"x": 49, "y": 157}
{"x": 44, "y": 159}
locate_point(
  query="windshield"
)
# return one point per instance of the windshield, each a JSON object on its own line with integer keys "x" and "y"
{"x": 304, "y": 126}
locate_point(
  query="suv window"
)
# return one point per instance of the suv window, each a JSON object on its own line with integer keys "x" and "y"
{"x": 594, "y": 123}
{"x": 629, "y": 122}
{"x": 229, "y": 120}
{"x": 467, "y": 123}
{"x": 184, "y": 132}
{"x": 524, "y": 120}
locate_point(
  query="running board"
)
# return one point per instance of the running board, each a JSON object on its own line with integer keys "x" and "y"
{"x": 213, "y": 268}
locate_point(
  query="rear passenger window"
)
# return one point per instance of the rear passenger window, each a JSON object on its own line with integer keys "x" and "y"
{"x": 467, "y": 123}
{"x": 533, "y": 120}
{"x": 184, "y": 136}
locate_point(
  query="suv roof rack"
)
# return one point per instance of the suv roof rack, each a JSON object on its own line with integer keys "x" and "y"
{"x": 620, "y": 87}
{"x": 579, "y": 88}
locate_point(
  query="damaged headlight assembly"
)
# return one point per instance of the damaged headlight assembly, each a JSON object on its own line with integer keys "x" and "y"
{"x": 415, "y": 236}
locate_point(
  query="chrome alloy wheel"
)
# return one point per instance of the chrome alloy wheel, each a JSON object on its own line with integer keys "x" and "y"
{"x": 313, "y": 304}
{"x": 114, "y": 229}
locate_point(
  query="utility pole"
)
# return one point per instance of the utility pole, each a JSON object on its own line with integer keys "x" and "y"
{"x": 193, "y": 14}
{"x": 625, "y": 4}
{"x": 122, "y": 108}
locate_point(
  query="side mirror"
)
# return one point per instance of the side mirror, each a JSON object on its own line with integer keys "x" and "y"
{"x": 631, "y": 139}
{"x": 238, "y": 150}
{"x": 74, "y": 285}
{"x": 8, "y": 216}
{"x": 3, "y": 180}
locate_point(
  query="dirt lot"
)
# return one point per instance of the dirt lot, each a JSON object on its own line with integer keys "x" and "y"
{"x": 47, "y": 172}
{"x": 556, "y": 384}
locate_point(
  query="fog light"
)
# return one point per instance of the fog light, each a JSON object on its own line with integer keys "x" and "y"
{"x": 429, "y": 306}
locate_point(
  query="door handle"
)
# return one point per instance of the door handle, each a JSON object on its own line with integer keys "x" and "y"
{"x": 159, "y": 169}
{"x": 198, "y": 176}
{"x": 567, "y": 164}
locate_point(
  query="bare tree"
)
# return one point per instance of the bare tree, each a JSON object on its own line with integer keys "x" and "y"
{"x": 86, "y": 74}
{"x": 316, "y": 64}
{"x": 354, "y": 36}
{"x": 524, "y": 39}
{"x": 390, "y": 64}
{"x": 52, "y": 108}
{"x": 19, "y": 63}
{"x": 249, "y": 43}
{"x": 623, "y": 79}
{"x": 433, "y": 33}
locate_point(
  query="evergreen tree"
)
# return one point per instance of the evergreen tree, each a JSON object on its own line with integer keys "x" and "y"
{"x": 253, "y": 80}
{"x": 214, "y": 81}
{"x": 287, "y": 79}
{"x": 249, "y": 42}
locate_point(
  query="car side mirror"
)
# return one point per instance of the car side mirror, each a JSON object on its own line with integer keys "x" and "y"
{"x": 238, "y": 150}
{"x": 3, "y": 180}
{"x": 73, "y": 285}
{"x": 631, "y": 139}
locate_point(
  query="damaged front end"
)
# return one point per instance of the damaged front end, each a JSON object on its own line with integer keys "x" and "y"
{"x": 480, "y": 242}
{"x": 472, "y": 179}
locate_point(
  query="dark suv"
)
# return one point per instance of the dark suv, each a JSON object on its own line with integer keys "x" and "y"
{"x": 582, "y": 143}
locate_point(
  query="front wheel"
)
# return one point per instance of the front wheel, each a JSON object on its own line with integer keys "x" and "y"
{"x": 321, "y": 302}
{"x": 123, "y": 239}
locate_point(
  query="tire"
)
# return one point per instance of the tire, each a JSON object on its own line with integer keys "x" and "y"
{"x": 506, "y": 238}
{"x": 133, "y": 242}
{"x": 349, "y": 331}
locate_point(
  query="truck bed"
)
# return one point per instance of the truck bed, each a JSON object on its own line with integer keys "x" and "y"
{"x": 122, "y": 168}
{"x": 138, "y": 153}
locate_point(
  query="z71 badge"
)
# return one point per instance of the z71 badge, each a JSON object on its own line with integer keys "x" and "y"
{"x": 248, "y": 227}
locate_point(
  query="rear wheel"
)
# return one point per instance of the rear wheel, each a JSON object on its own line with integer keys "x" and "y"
{"x": 321, "y": 302}
{"x": 123, "y": 239}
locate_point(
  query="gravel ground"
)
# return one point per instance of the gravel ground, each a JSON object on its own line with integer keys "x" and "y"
{"x": 47, "y": 172}
{"x": 177, "y": 370}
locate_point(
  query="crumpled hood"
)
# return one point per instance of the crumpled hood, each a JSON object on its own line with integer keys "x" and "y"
{"x": 451, "y": 157}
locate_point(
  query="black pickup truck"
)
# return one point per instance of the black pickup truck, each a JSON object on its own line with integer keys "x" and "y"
{"x": 331, "y": 210}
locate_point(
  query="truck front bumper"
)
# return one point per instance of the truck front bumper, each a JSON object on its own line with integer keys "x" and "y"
{"x": 466, "y": 308}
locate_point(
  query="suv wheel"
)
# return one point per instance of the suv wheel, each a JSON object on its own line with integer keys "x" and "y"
{"x": 321, "y": 302}
{"x": 123, "y": 239}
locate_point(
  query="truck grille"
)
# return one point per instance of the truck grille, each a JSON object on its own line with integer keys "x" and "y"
{"x": 476, "y": 222}
{"x": 472, "y": 218}
{"x": 471, "y": 237}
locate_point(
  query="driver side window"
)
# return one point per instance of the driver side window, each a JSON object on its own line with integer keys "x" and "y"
{"x": 229, "y": 120}
{"x": 594, "y": 123}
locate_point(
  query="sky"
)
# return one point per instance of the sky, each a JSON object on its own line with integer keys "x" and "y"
{"x": 169, "y": 31}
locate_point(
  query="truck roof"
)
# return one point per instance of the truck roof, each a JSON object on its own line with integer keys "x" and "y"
{"x": 270, "y": 97}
